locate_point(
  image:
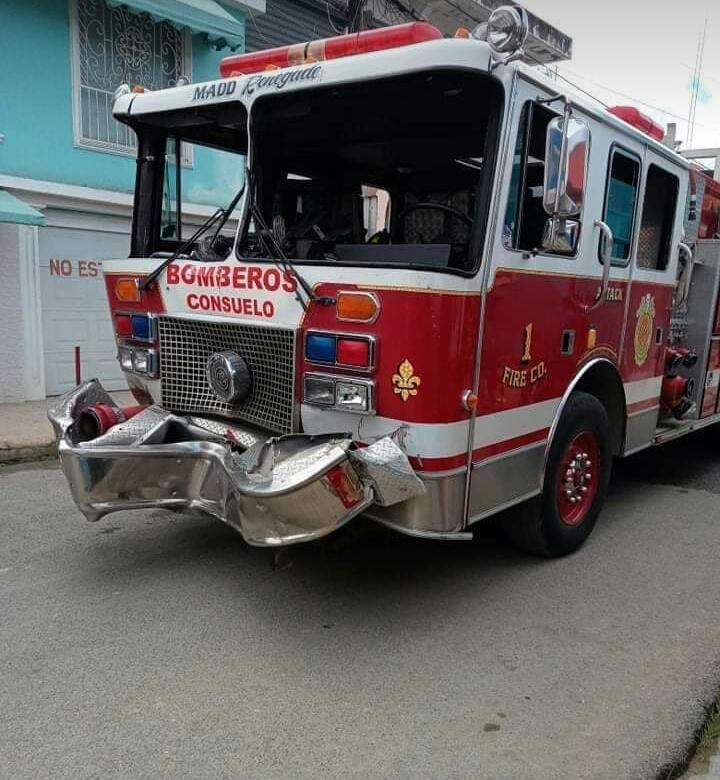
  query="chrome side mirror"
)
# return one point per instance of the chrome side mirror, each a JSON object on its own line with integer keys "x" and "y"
{"x": 567, "y": 149}
{"x": 561, "y": 236}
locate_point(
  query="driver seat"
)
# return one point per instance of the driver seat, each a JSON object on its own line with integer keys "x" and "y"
{"x": 428, "y": 226}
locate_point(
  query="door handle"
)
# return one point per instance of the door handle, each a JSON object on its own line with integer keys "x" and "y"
{"x": 686, "y": 276}
{"x": 606, "y": 242}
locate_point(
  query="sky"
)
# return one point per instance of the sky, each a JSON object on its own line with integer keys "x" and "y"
{"x": 635, "y": 52}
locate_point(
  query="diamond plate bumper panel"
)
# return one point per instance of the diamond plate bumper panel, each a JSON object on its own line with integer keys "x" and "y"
{"x": 383, "y": 465}
{"x": 276, "y": 491}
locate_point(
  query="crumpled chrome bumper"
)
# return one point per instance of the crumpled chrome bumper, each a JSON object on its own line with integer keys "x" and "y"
{"x": 274, "y": 491}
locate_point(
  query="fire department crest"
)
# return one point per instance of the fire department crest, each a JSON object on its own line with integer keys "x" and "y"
{"x": 405, "y": 381}
{"x": 644, "y": 328}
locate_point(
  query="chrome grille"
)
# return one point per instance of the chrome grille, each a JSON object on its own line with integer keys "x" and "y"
{"x": 186, "y": 345}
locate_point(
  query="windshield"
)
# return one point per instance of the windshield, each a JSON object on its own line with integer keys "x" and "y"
{"x": 388, "y": 172}
{"x": 173, "y": 200}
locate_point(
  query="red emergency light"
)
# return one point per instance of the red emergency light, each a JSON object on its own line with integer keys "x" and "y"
{"x": 639, "y": 121}
{"x": 329, "y": 48}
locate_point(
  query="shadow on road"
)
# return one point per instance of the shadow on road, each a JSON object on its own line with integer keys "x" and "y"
{"x": 690, "y": 462}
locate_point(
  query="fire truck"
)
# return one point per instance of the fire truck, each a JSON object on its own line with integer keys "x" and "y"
{"x": 453, "y": 288}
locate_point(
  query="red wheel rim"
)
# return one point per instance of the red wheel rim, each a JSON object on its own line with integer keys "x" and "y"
{"x": 577, "y": 480}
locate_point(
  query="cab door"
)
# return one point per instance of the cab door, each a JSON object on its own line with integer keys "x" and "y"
{"x": 546, "y": 315}
{"x": 654, "y": 269}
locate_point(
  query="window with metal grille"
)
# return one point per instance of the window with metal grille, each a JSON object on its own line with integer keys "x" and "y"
{"x": 656, "y": 225}
{"x": 111, "y": 46}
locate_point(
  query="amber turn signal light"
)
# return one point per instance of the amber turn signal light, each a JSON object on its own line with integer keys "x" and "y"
{"x": 127, "y": 290}
{"x": 357, "y": 306}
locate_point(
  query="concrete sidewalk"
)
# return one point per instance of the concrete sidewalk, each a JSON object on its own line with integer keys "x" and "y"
{"x": 26, "y": 433}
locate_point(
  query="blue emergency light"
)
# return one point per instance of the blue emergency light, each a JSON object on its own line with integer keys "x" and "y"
{"x": 320, "y": 348}
{"x": 142, "y": 327}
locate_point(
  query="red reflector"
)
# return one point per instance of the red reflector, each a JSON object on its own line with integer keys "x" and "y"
{"x": 329, "y": 48}
{"x": 346, "y": 488}
{"x": 123, "y": 325}
{"x": 353, "y": 352}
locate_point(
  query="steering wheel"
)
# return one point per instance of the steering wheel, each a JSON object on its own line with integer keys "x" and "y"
{"x": 398, "y": 232}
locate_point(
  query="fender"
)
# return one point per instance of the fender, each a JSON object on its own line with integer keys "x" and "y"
{"x": 592, "y": 364}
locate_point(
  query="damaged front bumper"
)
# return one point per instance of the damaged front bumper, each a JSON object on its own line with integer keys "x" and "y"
{"x": 274, "y": 491}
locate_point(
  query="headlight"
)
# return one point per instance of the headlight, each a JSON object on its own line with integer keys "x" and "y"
{"x": 352, "y": 397}
{"x": 125, "y": 358}
{"x": 319, "y": 390}
{"x": 142, "y": 361}
{"x": 342, "y": 393}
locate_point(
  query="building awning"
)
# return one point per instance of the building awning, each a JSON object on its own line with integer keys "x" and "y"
{"x": 201, "y": 16}
{"x": 13, "y": 209}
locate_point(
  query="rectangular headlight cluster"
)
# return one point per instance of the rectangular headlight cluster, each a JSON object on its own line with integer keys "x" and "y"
{"x": 139, "y": 360}
{"x": 341, "y": 393}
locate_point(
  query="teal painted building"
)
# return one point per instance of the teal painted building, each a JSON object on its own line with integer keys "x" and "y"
{"x": 41, "y": 46}
{"x": 67, "y": 168}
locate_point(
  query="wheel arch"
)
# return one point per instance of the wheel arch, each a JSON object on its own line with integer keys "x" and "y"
{"x": 600, "y": 378}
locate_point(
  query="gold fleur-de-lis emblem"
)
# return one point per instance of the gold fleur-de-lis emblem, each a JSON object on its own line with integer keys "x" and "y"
{"x": 405, "y": 381}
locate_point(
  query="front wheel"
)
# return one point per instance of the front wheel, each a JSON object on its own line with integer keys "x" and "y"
{"x": 576, "y": 481}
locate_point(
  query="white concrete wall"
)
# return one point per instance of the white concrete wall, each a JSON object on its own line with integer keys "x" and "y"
{"x": 96, "y": 223}
{"x": 12, "y": 357}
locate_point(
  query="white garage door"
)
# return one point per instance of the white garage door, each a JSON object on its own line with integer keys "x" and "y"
{"x": 74, "y": 306}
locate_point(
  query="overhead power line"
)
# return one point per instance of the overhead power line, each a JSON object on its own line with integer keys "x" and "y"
{"x": 330, "y": 21}
{"x": 697, "y": 74}
{"x": 634, "y": 99}
{"x": 355, "y": 14}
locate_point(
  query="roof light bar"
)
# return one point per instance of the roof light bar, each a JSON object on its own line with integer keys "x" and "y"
{"x": 639, "y": 121}
{"x": 329, "y": 48}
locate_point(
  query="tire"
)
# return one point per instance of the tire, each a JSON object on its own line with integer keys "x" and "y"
{"x": 577, "y": 475}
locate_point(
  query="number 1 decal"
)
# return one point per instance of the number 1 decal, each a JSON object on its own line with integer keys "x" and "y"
{"x": 527, "y": 341}
{"x": 524, "y": 377}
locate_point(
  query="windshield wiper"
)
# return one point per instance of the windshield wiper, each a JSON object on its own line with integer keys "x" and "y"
{"x": 271, "y": 248}
{"x": 220, "y": 215}
{"x": 274, "y": 252}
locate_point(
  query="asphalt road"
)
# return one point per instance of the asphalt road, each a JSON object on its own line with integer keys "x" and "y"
{"x": 157, "y": 646}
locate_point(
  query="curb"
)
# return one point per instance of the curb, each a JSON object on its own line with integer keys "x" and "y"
{"x": 10, "y": 455}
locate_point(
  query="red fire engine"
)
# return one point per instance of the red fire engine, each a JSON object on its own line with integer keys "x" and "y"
{"x": 452, "y": 290}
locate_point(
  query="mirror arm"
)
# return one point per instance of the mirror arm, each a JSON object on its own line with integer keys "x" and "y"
{"x": 686, "y": 278}
{"x": 567, "y": 111}
{"x": 606, "y": 234}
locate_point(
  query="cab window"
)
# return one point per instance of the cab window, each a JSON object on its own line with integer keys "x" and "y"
{"x": 525, "y": 216}
{"x": 620, "y": 201}
{"x": 658, "y": 214}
